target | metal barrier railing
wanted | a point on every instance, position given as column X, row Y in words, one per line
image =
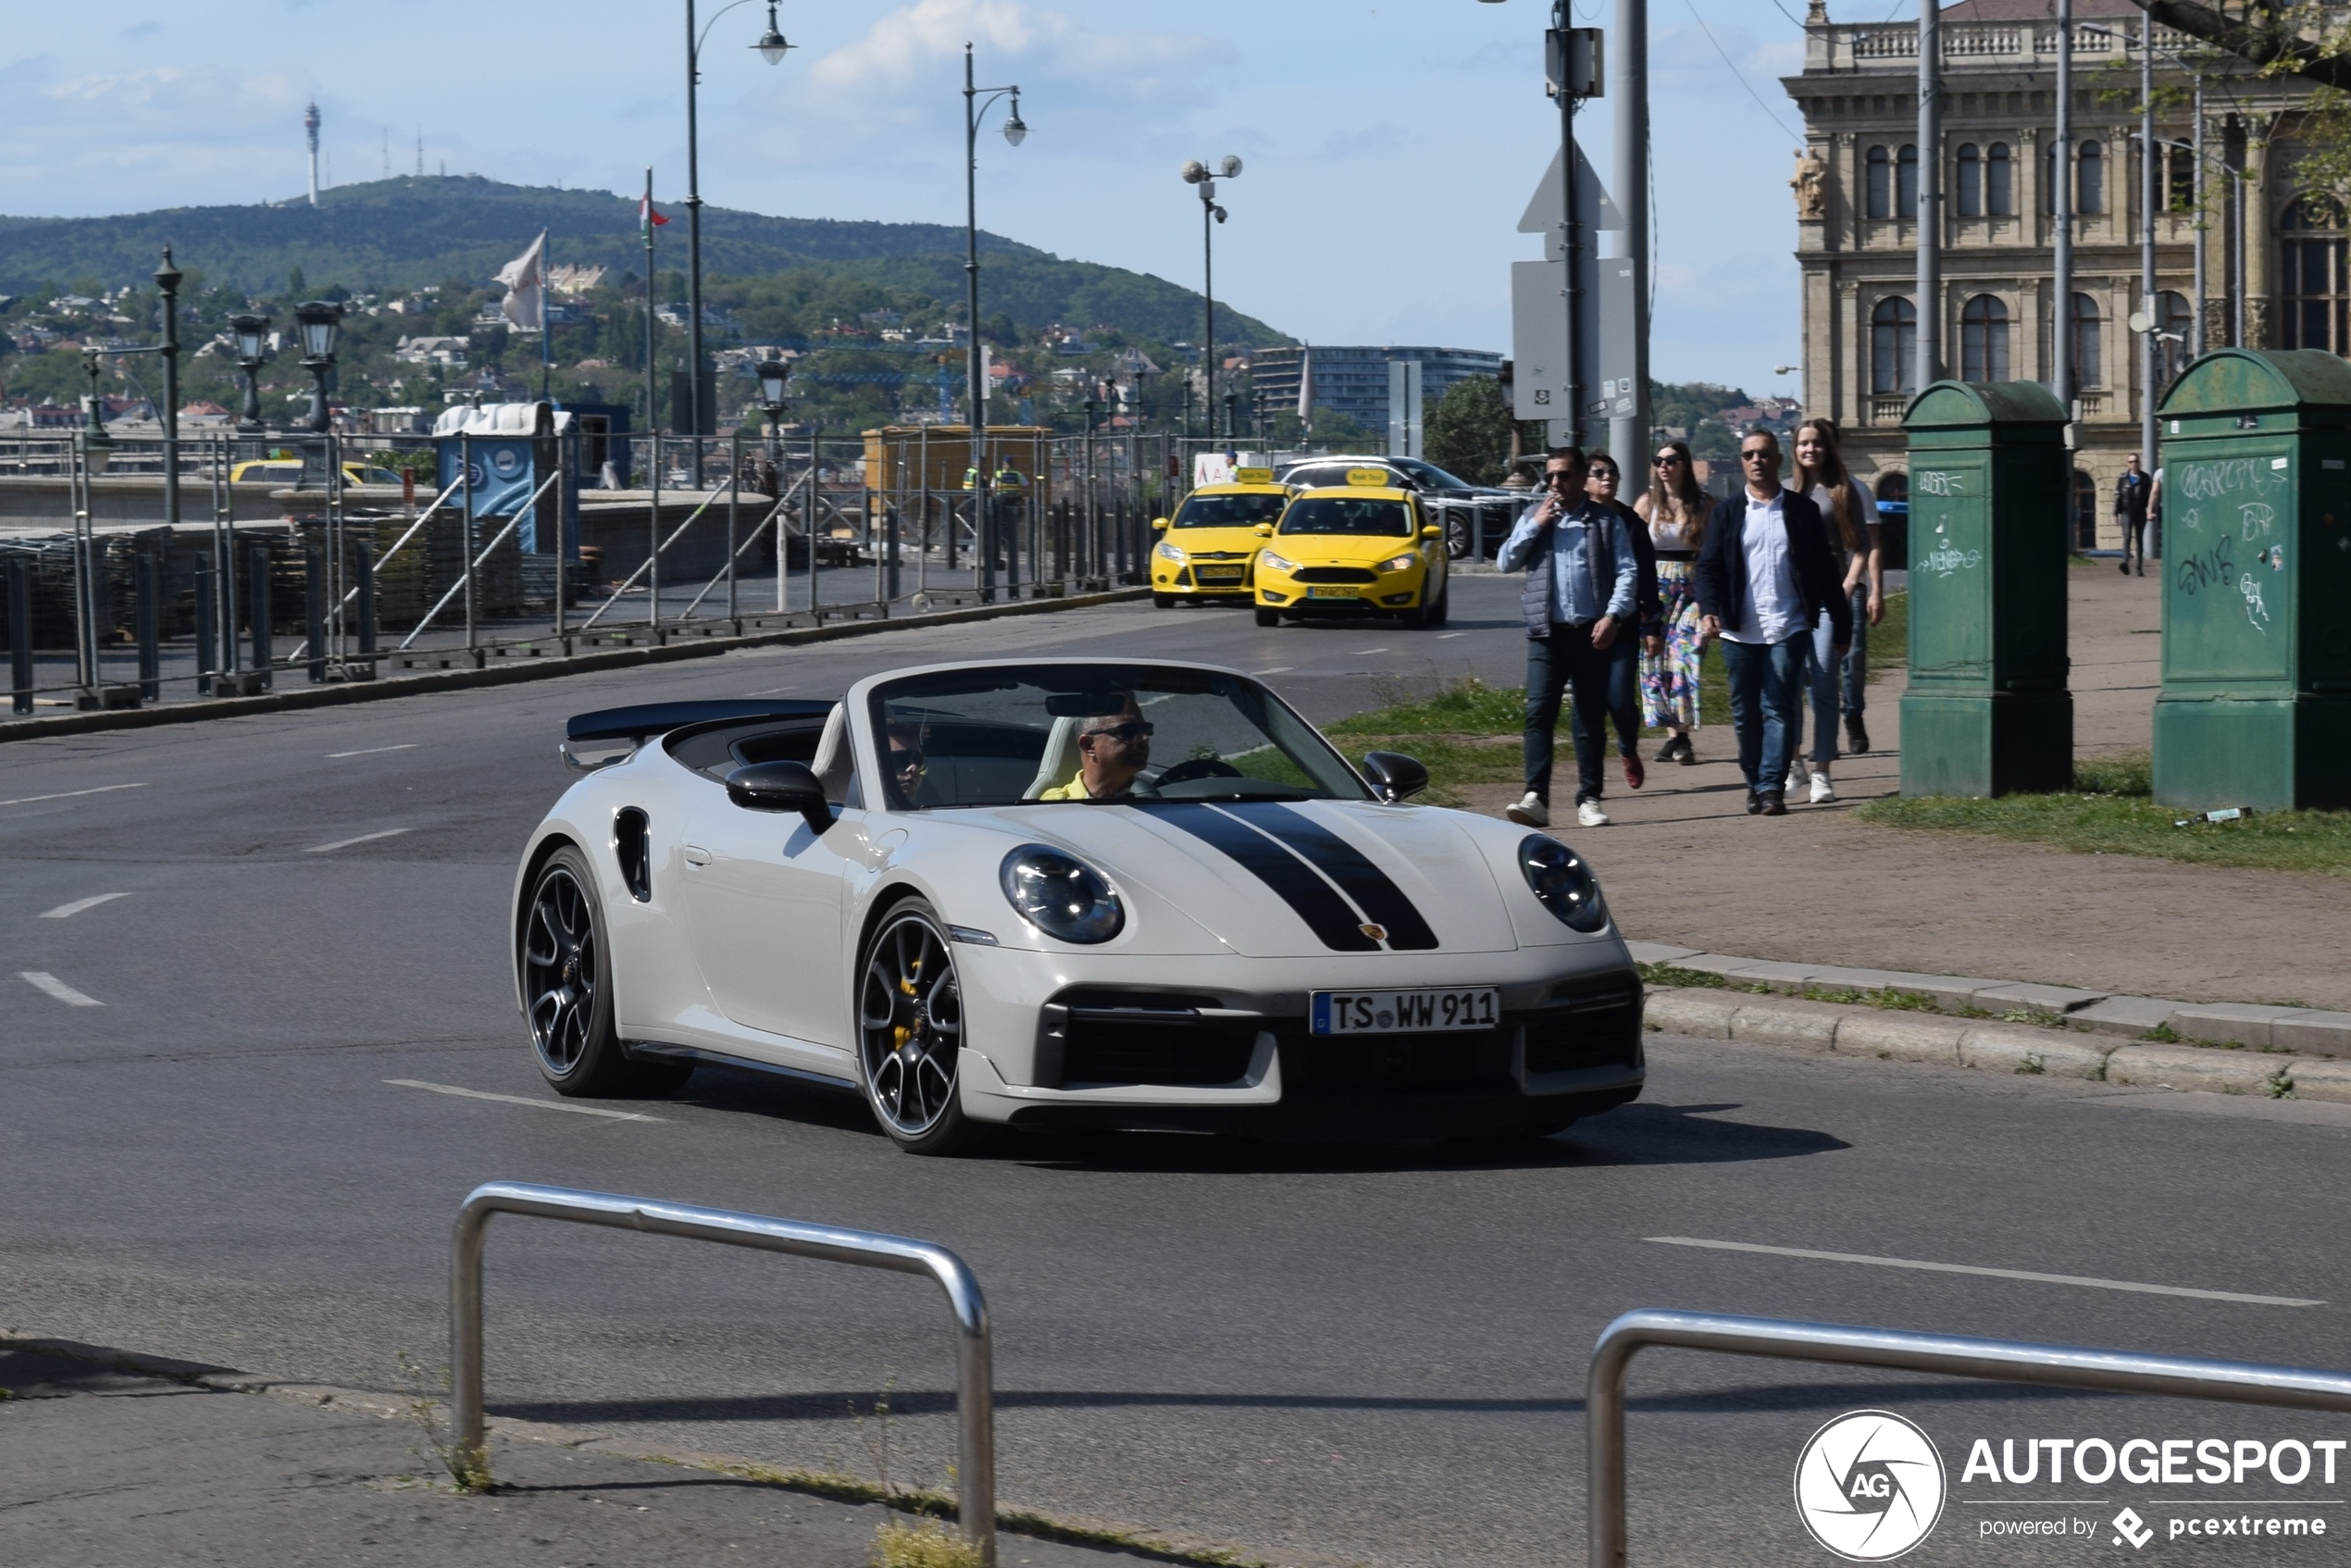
column 975, row 1375
column 1955, row 1355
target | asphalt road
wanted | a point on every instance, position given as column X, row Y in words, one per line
column 1371, row 1356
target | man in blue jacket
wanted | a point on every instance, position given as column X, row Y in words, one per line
column 1581, row 578
column 1764, row 576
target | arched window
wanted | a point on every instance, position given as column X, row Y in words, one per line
column 1878, row 187
column 1999, row 182
column 1984, row 340
column 1970, row 181
column 2090, row 182
column 1894, row 342
column 2089, row 340
column 1905, row 182
column 2311, row 276
column 2173, row 321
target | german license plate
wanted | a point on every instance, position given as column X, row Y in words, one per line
column 1330, row 593
column 1416, row 1012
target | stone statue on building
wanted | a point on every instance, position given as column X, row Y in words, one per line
column 1810, row 186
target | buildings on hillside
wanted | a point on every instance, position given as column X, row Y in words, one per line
column 1353, row 381
column 1856, row 221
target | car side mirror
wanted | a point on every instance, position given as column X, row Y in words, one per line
column 1159, row 525
column 1430, row 530
column 1394, row 776
column 781, row 786
column 1264, row 530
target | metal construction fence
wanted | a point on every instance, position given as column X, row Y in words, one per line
column 332, row 557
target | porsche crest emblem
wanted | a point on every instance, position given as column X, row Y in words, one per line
column 1378, row 933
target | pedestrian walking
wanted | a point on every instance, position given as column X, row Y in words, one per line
column 1580, row 581
column 2133, row 494
column 1601, row 483
column 1839, row 684
column 1672, row 514
column 1764, row 576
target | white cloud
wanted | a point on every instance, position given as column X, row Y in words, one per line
column 907, row 46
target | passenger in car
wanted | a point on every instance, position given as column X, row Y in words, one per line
column 908, row 767
column 1111, row 749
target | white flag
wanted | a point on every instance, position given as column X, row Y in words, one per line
column 526, row 281
column 1306, row 387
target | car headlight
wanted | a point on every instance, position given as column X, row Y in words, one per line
column 1167, row 552
column 1401, row 564
column 1273, row 562
column 1061, row 895
column 1558, row 877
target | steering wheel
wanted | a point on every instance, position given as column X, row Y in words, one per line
column 1196, row 767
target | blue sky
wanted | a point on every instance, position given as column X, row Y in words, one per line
column 1391, row 147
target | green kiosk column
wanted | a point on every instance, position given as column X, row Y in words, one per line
column 1988, row 711
column 2255, row 705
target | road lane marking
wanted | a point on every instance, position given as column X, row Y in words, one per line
column 371, row 751
column 68, row 910
column 1361, row 652
column 1443, row 635
column 41, row 980
column 523, row 1100
column 1991, row 1273
column 1277, row 669
column 68, row 794
column 363, row 839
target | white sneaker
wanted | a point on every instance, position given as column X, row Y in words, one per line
column 1823, row 790
column 1529, row 813
column 1589, row 815
column 1795, row 776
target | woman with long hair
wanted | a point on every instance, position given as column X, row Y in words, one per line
column 1673, row 509
column 1851, row 512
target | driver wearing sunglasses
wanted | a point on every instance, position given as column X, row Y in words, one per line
column 1111, row 749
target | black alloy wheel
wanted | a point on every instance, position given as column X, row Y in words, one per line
column 910, row 1033
column 567, row 992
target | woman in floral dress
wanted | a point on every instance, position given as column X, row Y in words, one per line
column 1674, row 509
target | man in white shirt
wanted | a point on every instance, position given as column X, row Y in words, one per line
column 1764, row 577
column 1580, row 581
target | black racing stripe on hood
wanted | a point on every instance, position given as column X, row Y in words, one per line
column 1324, row 911
column 1357, row 877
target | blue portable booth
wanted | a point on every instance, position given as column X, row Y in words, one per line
column 515, row 447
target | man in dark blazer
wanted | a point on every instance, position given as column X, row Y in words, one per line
column 1764, row 577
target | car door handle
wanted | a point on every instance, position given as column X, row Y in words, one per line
column 697, row 855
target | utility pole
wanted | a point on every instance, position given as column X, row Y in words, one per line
column 2150, row 204
column 2061, row 367
column 1927, row 368
column 1628, row 62
column 694, row 247
column 2195, row 157
column 1562, row 50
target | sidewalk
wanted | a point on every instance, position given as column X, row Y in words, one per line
column 1684, row 865
column 100, row 1468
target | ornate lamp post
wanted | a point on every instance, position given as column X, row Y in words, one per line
column 96, row 444
column 318, row 321
column 976, row 102
column 252, row 333
column 1198, row 173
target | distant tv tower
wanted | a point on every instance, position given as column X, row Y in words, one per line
column 420, row 151
column 310, row 124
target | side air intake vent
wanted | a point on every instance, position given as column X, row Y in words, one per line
column 629, row 841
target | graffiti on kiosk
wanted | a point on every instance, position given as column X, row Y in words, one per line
column 1945, row 559
column 2256, row 611
column 2233, row 475
column 2193, row 519
column 2257, row 519
column 2207, row 568
column 1929, row 483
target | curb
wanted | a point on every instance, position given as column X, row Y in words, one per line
column 1173, row 1546
column 1846, row 1029
column 326, row 696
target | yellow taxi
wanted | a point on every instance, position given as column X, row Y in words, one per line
column 1205, row 550
column 1361, row 548
column 286, row 470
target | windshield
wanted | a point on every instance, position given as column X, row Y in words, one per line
column 1096, row 733
column 1431, row 474
column 1228, row 511
column 1341, row 514
column 1308, row 476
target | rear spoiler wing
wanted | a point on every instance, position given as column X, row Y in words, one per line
column 655, row 718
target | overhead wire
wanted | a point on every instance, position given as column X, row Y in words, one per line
column 1770, row 113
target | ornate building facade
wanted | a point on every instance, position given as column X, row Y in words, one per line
column 2274, row 260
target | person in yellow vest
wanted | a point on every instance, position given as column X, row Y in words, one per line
column 1111, row 749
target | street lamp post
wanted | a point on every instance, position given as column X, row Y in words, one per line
column 1197, row 173
column 252, row 333
column 167, row 278
column 774, row 373
column 319, row 321
column 976, row 102
column 772, row 47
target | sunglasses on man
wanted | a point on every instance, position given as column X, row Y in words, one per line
column 1133, row 729
column 908, row 760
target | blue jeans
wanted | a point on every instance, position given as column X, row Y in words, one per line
column 1767, row 706
column 1624, row 689
column 1567, row 660
column 1856, row 659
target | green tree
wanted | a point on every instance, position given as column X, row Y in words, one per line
column 1468, row 433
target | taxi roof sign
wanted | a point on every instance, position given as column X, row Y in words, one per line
column 1375, row 479
column 1252, row 476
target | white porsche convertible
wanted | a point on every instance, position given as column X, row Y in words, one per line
column 1063, row 893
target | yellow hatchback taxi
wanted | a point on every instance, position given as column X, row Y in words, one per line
column 1205, row 550
column 1353, row 550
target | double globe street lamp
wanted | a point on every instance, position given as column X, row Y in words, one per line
column 1198, row 173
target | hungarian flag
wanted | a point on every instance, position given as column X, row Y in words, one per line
column 647, row 219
